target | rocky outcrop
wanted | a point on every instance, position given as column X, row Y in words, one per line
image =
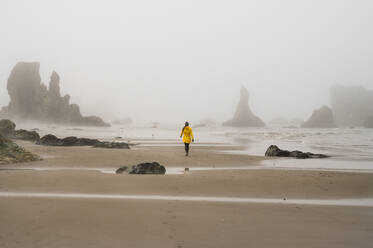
column 369, row 122
column 51, row 140
column 10, row 152
column 25, row 135
column 143, row 168
column 7, row 129
column 352, row 105
column 32, row 100
column 321, row 118
column 112, row 145
column 243, row 116
column 274, row 151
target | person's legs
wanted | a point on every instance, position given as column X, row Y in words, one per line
column 186, row 149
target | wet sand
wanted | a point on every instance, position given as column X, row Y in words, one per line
column 74, row 222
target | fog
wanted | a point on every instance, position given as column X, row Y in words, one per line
column 185, row 60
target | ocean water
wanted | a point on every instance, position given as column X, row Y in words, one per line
column 351, row 149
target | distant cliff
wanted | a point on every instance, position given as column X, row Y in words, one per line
column 352, row 105
column 243, row 116
column 32, row 100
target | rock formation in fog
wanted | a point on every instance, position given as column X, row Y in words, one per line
column 369, row 122
column 321, row 118
column 352, row 105
column 30, row 99
column 243, row 116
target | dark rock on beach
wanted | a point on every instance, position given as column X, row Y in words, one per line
column 49, row 140
column 52, row 140
column 123, row 169
column 274, row 151
column 243, row 116
column 25, row 135
column 6, row 127
column 143, row 168
column 30, row 99
column 10, row 152
column 7, row 130
column 112, row 145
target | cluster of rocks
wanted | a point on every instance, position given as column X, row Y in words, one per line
column 7, row 129
column 52, row 140
column 274, row 151
column 32, row 100
column 243, row 116
column 143, row 168
column 350, row 106
column 10, row 152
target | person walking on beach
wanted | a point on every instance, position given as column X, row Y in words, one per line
column 188, row 137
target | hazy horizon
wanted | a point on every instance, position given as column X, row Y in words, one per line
column 174, row 61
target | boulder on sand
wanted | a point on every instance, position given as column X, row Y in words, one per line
column 112, row 145
column 52, row 140
column 143, row 168
column 321, row 118
column 243, row 116
column 274, row 151
column 10, row 152
column 6, row 127
column 49, row 140
column 25, row 135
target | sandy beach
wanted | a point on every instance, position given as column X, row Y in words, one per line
column 92, row 222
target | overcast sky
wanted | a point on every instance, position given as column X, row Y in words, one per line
column 185, row 60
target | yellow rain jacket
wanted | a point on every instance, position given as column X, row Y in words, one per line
column 188, row 134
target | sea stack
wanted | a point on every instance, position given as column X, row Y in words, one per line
column 32, row 100
column 243, row 116
column 321, row 118
column 369, row 122
column 352, row 105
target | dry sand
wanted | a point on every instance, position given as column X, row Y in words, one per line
column 51, row 222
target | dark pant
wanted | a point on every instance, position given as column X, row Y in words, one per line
column 186, row 147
